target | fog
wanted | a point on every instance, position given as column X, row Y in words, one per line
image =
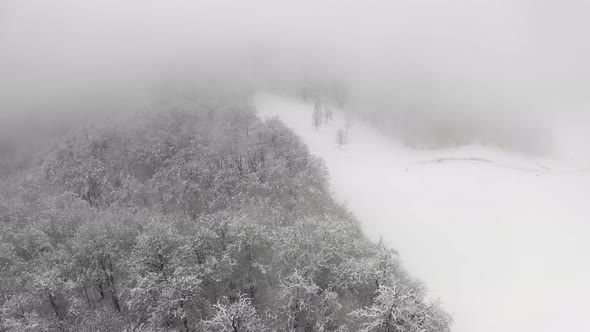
column 501, row 57
column 514, row 73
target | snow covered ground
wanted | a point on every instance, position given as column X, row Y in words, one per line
column 502, row 239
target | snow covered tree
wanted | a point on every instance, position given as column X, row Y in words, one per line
column 341, row 137
column 238, row 316
column 340, row 94
column 328, row 114
column 399, row 308
column 162, row 290
column 317, row 116
column 347, row 122
column 306, row 306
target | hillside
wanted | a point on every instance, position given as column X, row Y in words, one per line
column 500, row 237
column 199, row 217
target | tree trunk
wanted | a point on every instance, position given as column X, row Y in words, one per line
column 53, row 305
column 108, row 274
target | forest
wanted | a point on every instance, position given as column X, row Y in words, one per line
column 198, row 216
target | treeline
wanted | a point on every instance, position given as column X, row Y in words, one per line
column 198, row 218
column 426, row 129
column 420, row 121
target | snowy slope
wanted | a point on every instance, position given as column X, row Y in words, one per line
column 501, row 238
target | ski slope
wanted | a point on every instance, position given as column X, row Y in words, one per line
column 500, row 238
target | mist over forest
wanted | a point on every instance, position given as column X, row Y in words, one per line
column 494, row 72
column 142, row 190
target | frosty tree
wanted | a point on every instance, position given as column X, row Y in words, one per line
column 348, row 122
column 400, row 308
column 239, row 316
column 341, row 137
column 328, row 114
column 317, row 116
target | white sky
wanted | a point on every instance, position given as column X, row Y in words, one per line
column 507, row 52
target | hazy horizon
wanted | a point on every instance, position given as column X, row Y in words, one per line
column 501, row 57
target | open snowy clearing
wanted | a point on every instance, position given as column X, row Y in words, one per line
column 501, row 238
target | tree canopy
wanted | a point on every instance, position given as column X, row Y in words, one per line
column 200, row 217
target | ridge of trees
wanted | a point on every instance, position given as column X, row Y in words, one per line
column 197, row 218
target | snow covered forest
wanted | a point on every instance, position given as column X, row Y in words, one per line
column 197, row 217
